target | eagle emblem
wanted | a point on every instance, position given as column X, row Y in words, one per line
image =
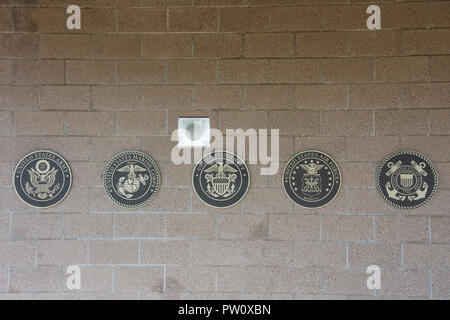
column 312, row 168
column 311, row 180
column 42, row 179
column 220, row 179
column 130, row 184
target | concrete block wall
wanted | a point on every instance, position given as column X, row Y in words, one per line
column 309, row 68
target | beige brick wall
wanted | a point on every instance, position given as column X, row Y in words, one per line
column 307, row 67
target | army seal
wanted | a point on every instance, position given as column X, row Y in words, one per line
column 42, row 179
column 221, row 179
column 312, row 179
column 131, row 179
column 407, row 179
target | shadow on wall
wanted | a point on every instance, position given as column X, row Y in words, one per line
column 23, row 21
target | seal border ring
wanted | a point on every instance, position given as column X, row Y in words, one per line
column 68, row 189
column 332, row 199
column 417, row 154
column 117, row 203
column 248, row 175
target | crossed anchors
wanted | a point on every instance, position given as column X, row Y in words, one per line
column 395, row 194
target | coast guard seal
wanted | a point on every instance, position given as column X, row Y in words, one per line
column 131, row 179
column 312, row 179
column 42, row 179
column 221, row 179
column 407, row 179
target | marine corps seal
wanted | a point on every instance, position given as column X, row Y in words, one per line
column 42, row 179
column 407, row 179
column 312, row 179
column 221, row 179
column 131, row 179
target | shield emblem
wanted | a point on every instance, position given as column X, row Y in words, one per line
column 311, row 184
column 406, row 180
column 221, row 185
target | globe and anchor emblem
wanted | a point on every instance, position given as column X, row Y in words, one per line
column 127, row 186
column 131, row 179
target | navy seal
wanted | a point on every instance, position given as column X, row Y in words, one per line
column 221, row 179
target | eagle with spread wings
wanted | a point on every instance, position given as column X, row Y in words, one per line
column 220, row 169
column 42, row 182
column 312, row 168
column 131, row 168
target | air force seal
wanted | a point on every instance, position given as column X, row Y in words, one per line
column 42, row 179
column 407, row 179
column 221, row 179
column 312, row 179
column 131, row 179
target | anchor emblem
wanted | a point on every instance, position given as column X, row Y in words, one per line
column 220, row 178
column 130, row 184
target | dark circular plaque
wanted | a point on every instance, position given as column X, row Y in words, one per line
column 42, row 179
column 407, row 179
column 221, row 179
column 131, row 179
column 312, row 179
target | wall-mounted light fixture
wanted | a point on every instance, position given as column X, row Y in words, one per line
column 193, row 132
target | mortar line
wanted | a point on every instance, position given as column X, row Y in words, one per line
column 35, row 252
column 430, row 235
column 10, row 226
column 190, row 253
column 217, row 279
column 430, row 279
column 164, row 279
column 113, row 278
column 346, row 257
column 320, row 227
column 167, row 20
column 8, row 281
column 401, row 256
column 139, row 250
column 115, row 20
column 88, row 252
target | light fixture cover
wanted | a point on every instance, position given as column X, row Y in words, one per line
column 193, row 132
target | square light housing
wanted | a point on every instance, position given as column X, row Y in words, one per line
column 193, row 132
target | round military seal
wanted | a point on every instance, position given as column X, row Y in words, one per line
column 407, row 179
column 42, row 179
column 131, row 179
column 221, row 179
column 312, row 179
